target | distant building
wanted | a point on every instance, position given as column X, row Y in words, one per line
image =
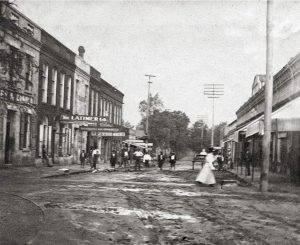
column 105, row 102
column 20, row 42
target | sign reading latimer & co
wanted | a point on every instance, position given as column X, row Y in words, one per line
column 76, row 118
column 15, row 96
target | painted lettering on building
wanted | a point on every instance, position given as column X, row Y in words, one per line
column 83, row 118
column 16, row 97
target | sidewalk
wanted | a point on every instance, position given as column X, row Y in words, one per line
column 48, row 172
column 277, row 182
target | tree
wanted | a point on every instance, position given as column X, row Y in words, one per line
column 128, row 125
column 199, row 137
column 169, row 130
column 155, row 104
column 15, row 65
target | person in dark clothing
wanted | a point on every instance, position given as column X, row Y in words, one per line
column 113, row 159
column 45, row 157
column 82, row 158
column 172, row 160
column 248, row 160
column 161, row 160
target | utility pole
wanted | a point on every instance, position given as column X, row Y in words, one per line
column 268, row 100
column 204, row 119
column 213, row 91
column 148, row 108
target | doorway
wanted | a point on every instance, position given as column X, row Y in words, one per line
column 9, row 140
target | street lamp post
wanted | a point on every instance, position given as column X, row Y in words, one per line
column 213, row 91
column 148, row 107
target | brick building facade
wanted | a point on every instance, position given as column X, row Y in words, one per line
column 20, row 42
column 48, row 95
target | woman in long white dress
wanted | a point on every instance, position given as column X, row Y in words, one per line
column 206, row 175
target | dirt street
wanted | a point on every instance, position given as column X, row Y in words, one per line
column 149, row 207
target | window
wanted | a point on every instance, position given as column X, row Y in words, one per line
column 92, row 102
column 76, row 95
column 110, row 112
column 28, row 73
column 68, row 93
column 53, row 86
column 96, row 103
column 100, row 106
column 120, row 115
column 86, row 93
column 61, row 90
column 44, row 85
column 29, row 29
column 15, row 19
column 25, row 131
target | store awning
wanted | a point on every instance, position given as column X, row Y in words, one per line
column 139, row 144
column 289, row 110
column 284, row 125
column 255, row 128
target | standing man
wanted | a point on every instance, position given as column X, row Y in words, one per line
column 147, row 159
column 82, row 158
column 125, row 158
column 113, row 159
column 95, row 156
column 248, row 160
column 161, row 160
column 138, row 157
column 172, row 160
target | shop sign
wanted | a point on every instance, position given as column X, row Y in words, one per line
column 16, row 97
column 100, row 129
column 110, row 134
column 76, row 118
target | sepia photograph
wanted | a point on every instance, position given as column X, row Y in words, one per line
column 149, row 122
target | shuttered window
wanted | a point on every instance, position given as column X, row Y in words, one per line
column 25, row 121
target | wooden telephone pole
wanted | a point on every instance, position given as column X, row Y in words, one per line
column 213, row 91
column 268, row 100
column 148, row 107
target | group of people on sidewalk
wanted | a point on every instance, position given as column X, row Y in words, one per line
column 146, row 158
column 122, row 159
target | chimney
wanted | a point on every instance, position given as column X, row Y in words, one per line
column 81, row 51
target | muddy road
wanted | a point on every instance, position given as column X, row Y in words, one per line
column 154, row 207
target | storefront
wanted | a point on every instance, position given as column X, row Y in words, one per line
column 17, row 128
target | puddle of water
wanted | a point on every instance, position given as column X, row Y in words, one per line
column 179, row 192
column 145, row 191
column 142, row 214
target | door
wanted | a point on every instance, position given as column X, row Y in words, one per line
column 7, row 144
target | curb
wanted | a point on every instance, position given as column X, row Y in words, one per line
column 241, row 179
column 69, row 173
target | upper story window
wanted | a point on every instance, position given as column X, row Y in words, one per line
column 61, row 90
column 29, row 29
column 68, row 93
column 15, row 18
column 92, row 103
column 44, row 84
column 53, row 86
column 28, row 73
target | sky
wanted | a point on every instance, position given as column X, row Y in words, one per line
column 185, row 44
